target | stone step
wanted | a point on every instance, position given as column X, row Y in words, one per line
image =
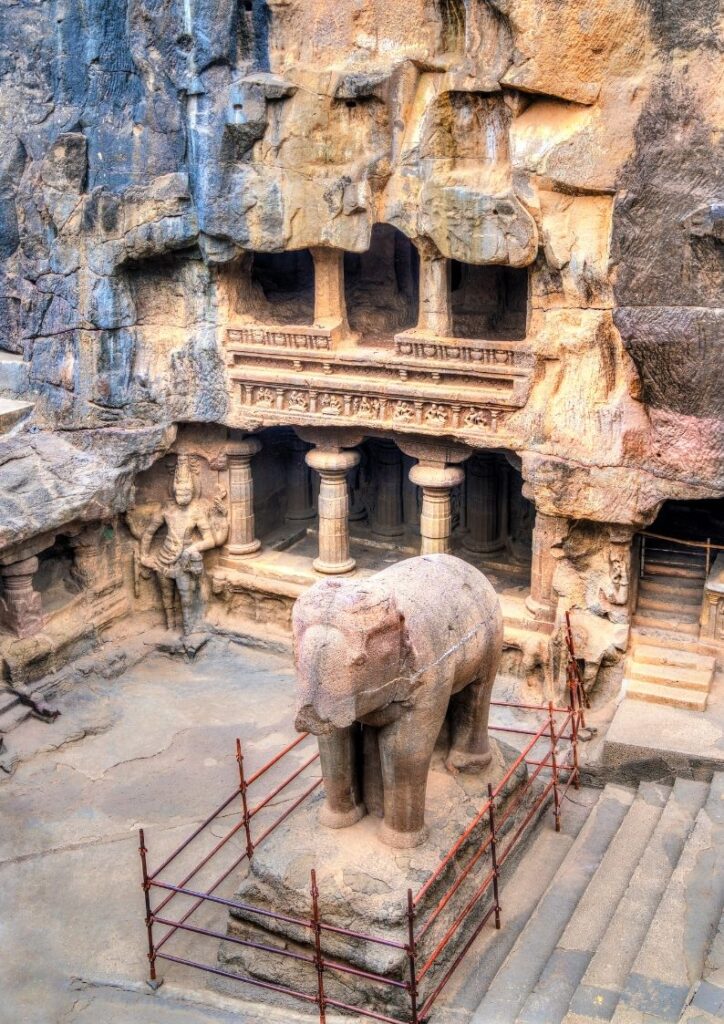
column 522, row 968
column 597, row 994
column 690, row 603
column 671, row 959
column 687, row 571
column 674, row 556
column 551, row 997
column 707, row 1004
column 657, row 693
column 651, row 655
column 521, row 890
column 677, row 585
column 672, row 643
column 662, row 620
column 671, row 675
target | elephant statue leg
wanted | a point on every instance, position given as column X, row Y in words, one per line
column 405, row 751
column 372, row 788
column 339, row 758
column 469, row 747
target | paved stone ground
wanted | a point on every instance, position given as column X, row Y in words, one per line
column 158, row 752
column 152, row 747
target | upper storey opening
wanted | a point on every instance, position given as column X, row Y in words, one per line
column 488, row 301
column 381, row 286
column 285, row 283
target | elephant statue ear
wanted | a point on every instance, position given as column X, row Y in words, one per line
column 386, row 635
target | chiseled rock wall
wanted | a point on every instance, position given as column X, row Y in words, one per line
column 145, row 145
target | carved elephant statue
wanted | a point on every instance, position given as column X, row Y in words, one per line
column 380, row 661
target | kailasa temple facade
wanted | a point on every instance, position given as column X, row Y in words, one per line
column 376, row 279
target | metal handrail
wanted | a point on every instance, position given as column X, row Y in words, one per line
column 707, row 545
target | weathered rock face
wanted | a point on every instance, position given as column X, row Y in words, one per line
column 144, row 149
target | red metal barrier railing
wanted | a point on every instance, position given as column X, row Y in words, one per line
column 557, row 735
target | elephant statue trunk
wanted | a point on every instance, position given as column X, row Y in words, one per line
column 381, row 662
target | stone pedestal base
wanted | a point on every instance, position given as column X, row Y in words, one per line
column 363, row 887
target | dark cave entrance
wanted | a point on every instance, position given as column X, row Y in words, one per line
column 488, row 301
column 54, row 579
column 286, row 282
column 381, row 286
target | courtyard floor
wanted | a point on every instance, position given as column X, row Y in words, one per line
column 152, row 748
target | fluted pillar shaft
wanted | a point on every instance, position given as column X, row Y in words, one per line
column 22, row 609
column 483, row 505
column 300, row 505
column 333, row 464
column 387, row 518
column 436, row 480
column 242, row 540
column 410, row 499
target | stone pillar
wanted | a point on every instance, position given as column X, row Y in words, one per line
column 436, row 481
column 22, row 608
column 483, row 507
column 330, row 310
column 242, row 540
column 410, row 498
column 300, row 504
column 386, row 514
column 435, row 316
column 548, row 532
column 356, row 484
column 333, row 464
column 504, row 470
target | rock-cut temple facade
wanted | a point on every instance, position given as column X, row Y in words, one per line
column 325, row 285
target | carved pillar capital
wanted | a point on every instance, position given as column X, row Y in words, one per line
column 244, row 447
column 329, row 439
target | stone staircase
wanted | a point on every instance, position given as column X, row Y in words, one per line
column 666, row 664
column 670, row 592
column 661, row 674
column 624, row 928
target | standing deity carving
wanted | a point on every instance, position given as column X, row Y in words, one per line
column 193, row 525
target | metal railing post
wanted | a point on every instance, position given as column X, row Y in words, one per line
column 244, row 803
column 708, row 557
column 575, row 671
column 494, row 854
column 554, row 767
column 411, row 953
column 642, row 569
column 575, row 715
column 318, row 960
column 146, row 885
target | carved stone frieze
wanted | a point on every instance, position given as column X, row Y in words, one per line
column 282, row 337
column 482, row 353
column 312, row 405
